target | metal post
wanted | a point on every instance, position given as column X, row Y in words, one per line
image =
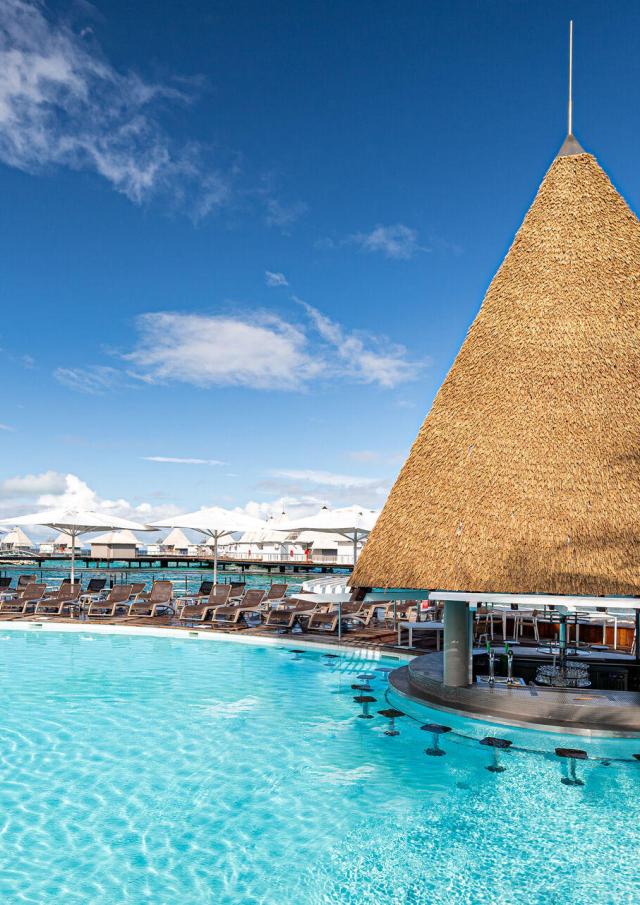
column 73, row 553
column 457, row 647
column 339, row 622
column 570, row 105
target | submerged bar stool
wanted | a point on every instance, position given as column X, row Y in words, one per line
column 572, row 755
column 436, row 731
column 365, row 700
column 496, row 745
column 392, row 715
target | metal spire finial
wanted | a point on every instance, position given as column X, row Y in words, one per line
column 570, row 110
column 570, row 145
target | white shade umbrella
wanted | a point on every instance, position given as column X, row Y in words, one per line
column 75, row 522
column 352, row 522
column 215, row 522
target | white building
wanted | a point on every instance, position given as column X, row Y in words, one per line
column 176, row 542
column 16, row 541
column 60, row 544
column 115, row 545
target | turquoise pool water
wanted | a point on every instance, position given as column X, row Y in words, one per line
column 153, row 770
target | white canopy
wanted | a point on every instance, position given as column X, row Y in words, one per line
column 215, row 522
column 75, row 522
column 353, row 522
column 116, row 537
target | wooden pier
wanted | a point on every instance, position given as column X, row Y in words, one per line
column 171, row 561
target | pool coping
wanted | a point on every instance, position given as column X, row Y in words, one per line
column 50, row 625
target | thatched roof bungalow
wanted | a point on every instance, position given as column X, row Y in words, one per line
column 525, row 475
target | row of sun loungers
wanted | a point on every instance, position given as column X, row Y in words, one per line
column 230, row 605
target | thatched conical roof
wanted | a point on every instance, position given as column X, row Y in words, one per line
column 525, row 476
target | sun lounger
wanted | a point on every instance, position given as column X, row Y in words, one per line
column 22, row 583
column 157, row 601
column 118, row 598
column 284, row 619
column 322, row 622
column 275, row 594
column 23, row 599
column 65, row 598
column 202, row 611
column 350, row 614
column 237, row 590
column 232, row 615
column 205, row 589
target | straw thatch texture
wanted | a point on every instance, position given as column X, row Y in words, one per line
column 525, row 476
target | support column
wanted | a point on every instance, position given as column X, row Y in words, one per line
column 457, row 644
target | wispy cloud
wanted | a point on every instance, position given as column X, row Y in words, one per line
column 62, row 103
column 260, row 351
column 283, row 214
column 177, row 460
column 364, row 357
column 368, row 456
column 7, row 427
column 94, row 380
column 324, row 478
column 255, row 349
column 397, row 242
column 263, row 351
column 275, row 279
column 313, row 488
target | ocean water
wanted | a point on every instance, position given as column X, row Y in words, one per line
column 184, row 580
column 157, row 770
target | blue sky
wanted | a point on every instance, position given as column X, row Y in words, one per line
column 254, row 235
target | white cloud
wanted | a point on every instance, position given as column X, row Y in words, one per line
column 364, row 455
column 63, row 104
column 176, row 460
column 254, row 349
column 7, row 427
column 51, row 489
column 399, row 242
column 275, row 279
column 281, row 214
column 33, row 484
column 262, row 351
column 94, row 380
column 365, row 358
column 324, row 478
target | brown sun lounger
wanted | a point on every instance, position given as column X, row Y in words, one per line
column 284, row 619
column 158, row 599
column 276, row 593
column 202, row 612
column 23, row 581
column 233, row 615
column 27, row 597
column 65, row 598
column 119, row 597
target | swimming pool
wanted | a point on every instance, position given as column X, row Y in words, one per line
column 161, row 770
